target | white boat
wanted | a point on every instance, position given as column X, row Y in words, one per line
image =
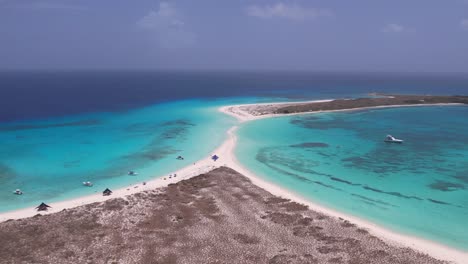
column 88, row 183
column 18, row 192
column 392, row 139
column 132, row 173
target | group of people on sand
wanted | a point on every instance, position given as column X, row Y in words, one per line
column 171, row 175
column 107, row 192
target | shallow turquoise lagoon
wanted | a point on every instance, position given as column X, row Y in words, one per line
column 49, row 159
column 340, row 160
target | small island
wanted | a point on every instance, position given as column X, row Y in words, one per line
column 381, row 101
column 250, row 112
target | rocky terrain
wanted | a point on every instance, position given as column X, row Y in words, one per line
column 217, row 217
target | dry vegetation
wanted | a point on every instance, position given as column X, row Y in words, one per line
column 218, row 217
column 368, row 102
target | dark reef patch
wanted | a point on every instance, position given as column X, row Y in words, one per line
column 442, row 169
column 325, row 154
column 154, row 150
column 397, row 194
column 356, row 160
column 344, row 181
column 152, row 154
column 327, row 185
column 446, row 186
column 462, row 177
column 176, row 129
column 89, row 122
column 373, row 200
column 381, row 161
column 171, row 129
column 438, row 202
column 123, row 164
column 311, row 122
column 174, row 132
column 310, row 145
column 298, row 120
column 275, row 155
column 296, row 176
column 272, row 157
column 6, row 173
column 178, row 122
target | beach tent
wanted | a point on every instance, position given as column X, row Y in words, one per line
column 42, row 207
column 214, row 157
column 107, row 192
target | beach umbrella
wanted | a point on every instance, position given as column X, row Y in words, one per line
column 214, row 157
column 107, row 192
column 42, row 207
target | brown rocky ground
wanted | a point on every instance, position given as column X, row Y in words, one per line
column 218, row 217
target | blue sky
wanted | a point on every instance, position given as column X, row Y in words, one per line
column 327, row 35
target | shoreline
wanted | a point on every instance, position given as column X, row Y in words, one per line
column 244, row 116
column 228, row 159
column 215, row 217
column 159, row 181
column 431, row 248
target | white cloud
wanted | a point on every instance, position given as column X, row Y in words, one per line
column 288, row 11
column 167, row 27
column 165, row 16
column 394, row 28
column 464, row 23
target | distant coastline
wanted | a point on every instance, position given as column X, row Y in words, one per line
column 381, row 101
column 249, row 112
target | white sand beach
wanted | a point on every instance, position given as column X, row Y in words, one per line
column 428, row 247
column 251, row 112
column 433, row 249
column 227, row 158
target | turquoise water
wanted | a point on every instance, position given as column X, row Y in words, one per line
column 336, row 159
column 340, row 160
column 50, row 159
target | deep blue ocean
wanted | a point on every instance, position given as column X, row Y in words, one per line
column 58, row 129
column 31, row 95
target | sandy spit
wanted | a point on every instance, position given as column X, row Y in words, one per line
column 227, row 159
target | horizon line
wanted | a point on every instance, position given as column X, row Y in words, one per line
column 175, row 70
